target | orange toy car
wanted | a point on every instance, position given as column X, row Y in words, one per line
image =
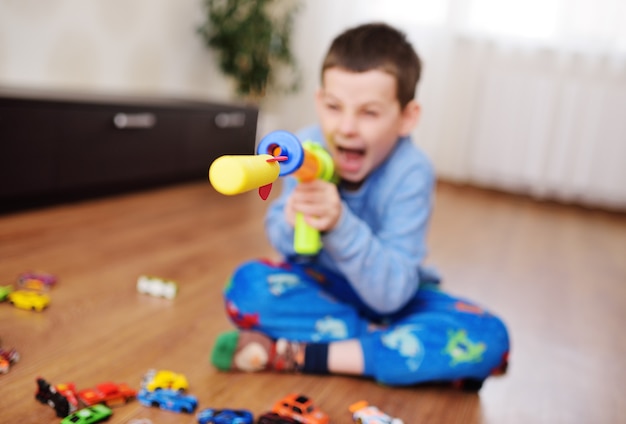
column 108, row 393
column 300, row 408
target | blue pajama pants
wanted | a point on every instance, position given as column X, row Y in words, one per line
column 435, row 338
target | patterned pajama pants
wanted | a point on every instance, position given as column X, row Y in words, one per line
column 435, row 338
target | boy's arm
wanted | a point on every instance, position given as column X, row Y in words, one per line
column 383, row 265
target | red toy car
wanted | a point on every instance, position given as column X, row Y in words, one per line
column 108, row 393
column 68, row 390
column 7, row 359
column 300, row 408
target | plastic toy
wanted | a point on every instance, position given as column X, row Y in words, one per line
column 32, row 284
column 279, row 153
column 108, row 393
column 169, row 400
column 30, row 300
column 300, row 408
column 89, row 415
column 68, row 390
column 274, row 418
column 157, row 287
column 225, row 416
column 47, row 394
column 164, row 379
column 47, row 280
column 363, row 413
column 7, row 359
column 5, row 291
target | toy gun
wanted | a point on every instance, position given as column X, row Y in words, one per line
column 279, row 153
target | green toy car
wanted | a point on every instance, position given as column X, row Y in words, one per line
column 89, row 415
column 4, row 292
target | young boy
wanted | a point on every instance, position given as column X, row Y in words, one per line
column 365, row 305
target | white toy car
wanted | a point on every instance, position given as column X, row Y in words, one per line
column 362, row 413
column 156, row 286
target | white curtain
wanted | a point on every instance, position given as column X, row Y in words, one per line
column 527, row 96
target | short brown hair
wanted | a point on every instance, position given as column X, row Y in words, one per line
column 377, row 46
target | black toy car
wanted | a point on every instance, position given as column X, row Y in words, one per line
column 274, row 418
column 47, row 394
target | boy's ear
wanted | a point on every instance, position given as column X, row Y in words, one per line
column 410, row 117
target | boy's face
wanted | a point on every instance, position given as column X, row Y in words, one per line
column 361, row 119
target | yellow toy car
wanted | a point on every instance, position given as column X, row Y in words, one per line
column 30, row 300
column 164, row 379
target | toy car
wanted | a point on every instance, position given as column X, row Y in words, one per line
column 25, row 299
column 164, row 379
column 4, row 292
column 225, row 416
column 300, row 408
column 47, row 394
column 46, row 279
column 274, row 418
column 89, row 415
column 169, row 400
column 7, row 359
column 68, row 390
column 108, row 393
column 157, row 287
column 363, row 413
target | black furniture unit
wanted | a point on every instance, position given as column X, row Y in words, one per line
column 59, row 148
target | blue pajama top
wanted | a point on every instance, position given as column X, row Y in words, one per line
column 379, row 243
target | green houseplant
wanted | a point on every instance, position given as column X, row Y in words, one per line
column 252, row 39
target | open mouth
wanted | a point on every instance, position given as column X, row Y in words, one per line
column 351, row 153
column 349, row 159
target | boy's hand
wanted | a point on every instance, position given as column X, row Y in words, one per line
column 319, row 201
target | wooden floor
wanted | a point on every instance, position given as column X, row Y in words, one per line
column 556, row 274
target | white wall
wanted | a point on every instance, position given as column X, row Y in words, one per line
column 120, row 46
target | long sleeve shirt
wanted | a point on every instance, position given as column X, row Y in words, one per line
column 379, row 242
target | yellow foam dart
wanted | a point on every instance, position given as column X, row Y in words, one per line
column 236, row 174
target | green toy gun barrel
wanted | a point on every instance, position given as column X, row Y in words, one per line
column 317, row 164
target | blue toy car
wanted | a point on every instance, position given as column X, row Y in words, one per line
column 169, row 400
column 225, row 416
